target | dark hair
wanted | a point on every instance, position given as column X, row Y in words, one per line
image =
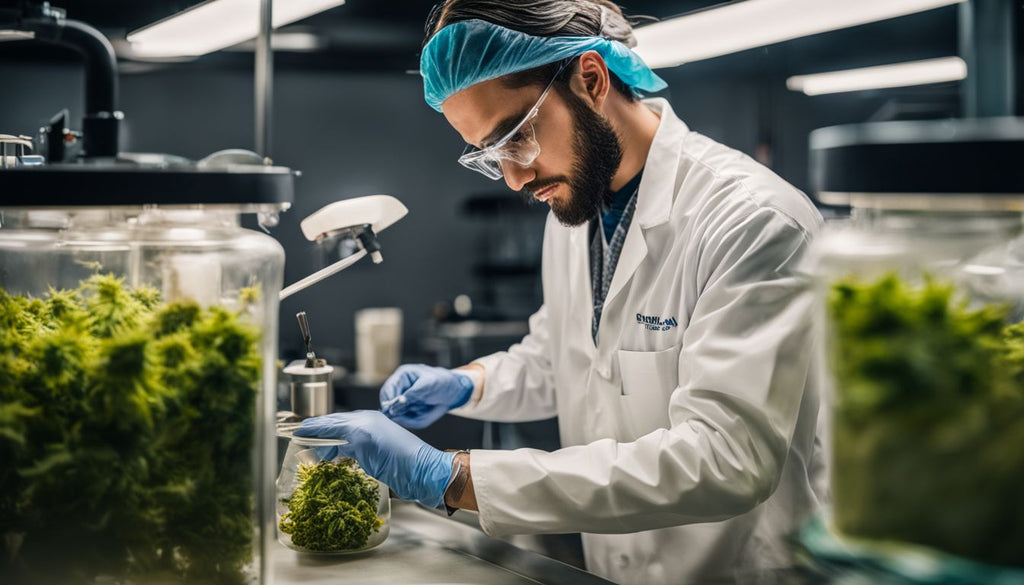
column 542, row 18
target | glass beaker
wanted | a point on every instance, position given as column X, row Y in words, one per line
column 328, row 504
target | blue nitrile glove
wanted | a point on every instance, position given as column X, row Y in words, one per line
column 416, row 395
column 386, row 451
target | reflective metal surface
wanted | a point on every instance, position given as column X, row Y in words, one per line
column 426, row 547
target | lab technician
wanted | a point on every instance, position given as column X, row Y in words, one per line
column 675, row 339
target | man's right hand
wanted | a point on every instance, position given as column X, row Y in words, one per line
column 416, row 395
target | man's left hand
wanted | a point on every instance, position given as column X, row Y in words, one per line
column 388, row 452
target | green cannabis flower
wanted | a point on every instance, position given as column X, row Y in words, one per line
column 929, row 420
column 126, row 436
column 334, row 507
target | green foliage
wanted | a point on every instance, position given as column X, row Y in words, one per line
column 126, row 437
column 334, row 507
column 929, row 420
column 249, row 296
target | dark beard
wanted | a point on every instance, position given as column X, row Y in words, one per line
column 598, row 155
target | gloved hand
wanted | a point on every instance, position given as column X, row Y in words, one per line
column 386, row 451
column 416, row 395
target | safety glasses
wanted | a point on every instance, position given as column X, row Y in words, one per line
column 519, row 145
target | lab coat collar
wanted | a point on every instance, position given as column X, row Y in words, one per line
column 634, row 250
column 653, row 207
column 658, row 185
column 657, row 192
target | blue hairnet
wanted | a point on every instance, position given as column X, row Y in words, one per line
column 471, row 51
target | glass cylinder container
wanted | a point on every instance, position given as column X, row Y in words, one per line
column 137, row 371
column 922, row 292
column 326, row 504
column 923, row 298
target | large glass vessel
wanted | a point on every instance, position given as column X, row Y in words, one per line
column 922, row 292
column 137, row 369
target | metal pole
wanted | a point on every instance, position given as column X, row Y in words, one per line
column 264, row 86
column 989, row 40
column 264, row 80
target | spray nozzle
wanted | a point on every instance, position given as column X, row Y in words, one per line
column 311, row 361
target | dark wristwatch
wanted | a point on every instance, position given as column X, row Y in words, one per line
column 457, row 483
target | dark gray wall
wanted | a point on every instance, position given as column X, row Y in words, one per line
column 350, row 135
column 356, row 134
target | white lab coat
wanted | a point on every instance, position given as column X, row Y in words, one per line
column 689, row 431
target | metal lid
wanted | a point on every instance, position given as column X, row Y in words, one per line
column 943, row 160
column 147, row 180
column 298, row 368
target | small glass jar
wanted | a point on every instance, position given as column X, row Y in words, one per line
column 923, row 297
column 327, row 504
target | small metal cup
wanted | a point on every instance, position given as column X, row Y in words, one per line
column 312, row 389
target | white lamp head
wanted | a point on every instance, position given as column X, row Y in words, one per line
column 377, row 211
column 361, row 218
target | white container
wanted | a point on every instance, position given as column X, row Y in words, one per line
column 378, row 342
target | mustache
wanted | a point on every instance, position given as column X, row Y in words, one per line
column 533, row 186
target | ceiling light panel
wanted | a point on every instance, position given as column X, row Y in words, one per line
column 215, row 25
column 756, row 23
column 883, row 76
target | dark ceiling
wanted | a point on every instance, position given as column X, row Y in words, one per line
column 135, row 13
column 386, row 35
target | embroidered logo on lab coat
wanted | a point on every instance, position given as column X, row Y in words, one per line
column 653, row 323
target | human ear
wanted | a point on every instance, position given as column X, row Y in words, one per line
column 594, row 79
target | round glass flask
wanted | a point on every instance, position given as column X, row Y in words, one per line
column 327, row 504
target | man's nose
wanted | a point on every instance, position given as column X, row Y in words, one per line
column 517, row 176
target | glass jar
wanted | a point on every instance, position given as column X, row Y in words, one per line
column 923, row 298
column 137, row 370
column 326, row 504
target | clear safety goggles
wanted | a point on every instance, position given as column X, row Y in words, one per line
column 519, row 145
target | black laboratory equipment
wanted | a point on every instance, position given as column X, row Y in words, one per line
column 919, row 493
column 138, row 347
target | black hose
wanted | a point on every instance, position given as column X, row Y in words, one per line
column 100, row 65
column 101, row 124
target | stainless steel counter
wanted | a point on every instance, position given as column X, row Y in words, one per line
column 425, row 547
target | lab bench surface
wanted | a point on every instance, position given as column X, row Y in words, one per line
column 425, row 547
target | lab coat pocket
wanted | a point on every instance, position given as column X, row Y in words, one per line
column 648, row 380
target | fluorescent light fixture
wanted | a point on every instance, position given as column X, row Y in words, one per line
column 896, row 75
column 215, row 25
column 296, row 42
column 16, row 35
column 755, row 23
column 286, row 41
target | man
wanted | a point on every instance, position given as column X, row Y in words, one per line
column 675, row 339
